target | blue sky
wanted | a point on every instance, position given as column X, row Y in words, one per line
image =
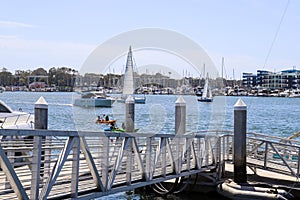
column 57, row 33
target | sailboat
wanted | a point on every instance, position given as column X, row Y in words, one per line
column 129, row 84
column 206, row 94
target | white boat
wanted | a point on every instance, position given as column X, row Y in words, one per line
column 295, row 93
column 198, row 91
column 285, row 93
column 274, row 93
column 94, row 99
column 206, row 94
column 10, row 119
column 129, row 84
column 2, row 89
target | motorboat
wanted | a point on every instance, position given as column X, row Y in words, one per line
column 137, row 99
column 295, row 93
column 198, row 91
column 285, row 93
column 94, row 99
column 11, row 119
column 129, row 85
column 140, row 99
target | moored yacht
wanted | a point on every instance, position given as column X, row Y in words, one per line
column 285, row 93
column 295, row 93
column 10, row 119
column 94, row 99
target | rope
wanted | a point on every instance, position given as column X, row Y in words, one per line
column 276, row 33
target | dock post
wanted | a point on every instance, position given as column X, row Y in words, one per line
column 239, row 148
column 41, row 122
column 129, row 115
column 180, row 116
column 41, row 114
column 180, row 126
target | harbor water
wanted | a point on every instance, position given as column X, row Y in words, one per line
column 268, row 115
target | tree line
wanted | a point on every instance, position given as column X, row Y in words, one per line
column 61, row 77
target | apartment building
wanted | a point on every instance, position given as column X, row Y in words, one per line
column 286, row 79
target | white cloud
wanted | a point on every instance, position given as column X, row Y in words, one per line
column 12, row 24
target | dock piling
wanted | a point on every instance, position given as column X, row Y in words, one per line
column 129, row 115
column 180, row 127
column 180, row 116
column 41, row 114
column 41, row 122
column 239, row 139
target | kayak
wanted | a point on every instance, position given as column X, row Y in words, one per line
column 114, row 129
column 118, row 129
column 102, row 121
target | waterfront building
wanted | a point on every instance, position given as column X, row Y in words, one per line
column 249, row 80
column 156, row 79
column 291, row 78
column 274, row 81
column 261, row 77
column 286, row 79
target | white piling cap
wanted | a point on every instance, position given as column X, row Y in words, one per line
column 240, row 105
column 180, row 101
column 41, row 103
column 129, row 99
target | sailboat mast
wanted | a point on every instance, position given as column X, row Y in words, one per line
column 222, row 66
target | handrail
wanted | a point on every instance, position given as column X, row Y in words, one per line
column 102, row 162
column 268, row 153
column 107, row 162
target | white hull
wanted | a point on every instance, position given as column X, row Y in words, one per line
column 137, row 100
column 140, row 100
column 10, row 119
column 94, row 102
column 94, row 99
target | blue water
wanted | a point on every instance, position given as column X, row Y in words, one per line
column 274, row 116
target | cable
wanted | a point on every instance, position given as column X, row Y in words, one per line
column 182, row 185
column 160, row 189
column 276, row 33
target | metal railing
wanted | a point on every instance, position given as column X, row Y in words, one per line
column 267, row 152
column 44, row 164
column 274, row 153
